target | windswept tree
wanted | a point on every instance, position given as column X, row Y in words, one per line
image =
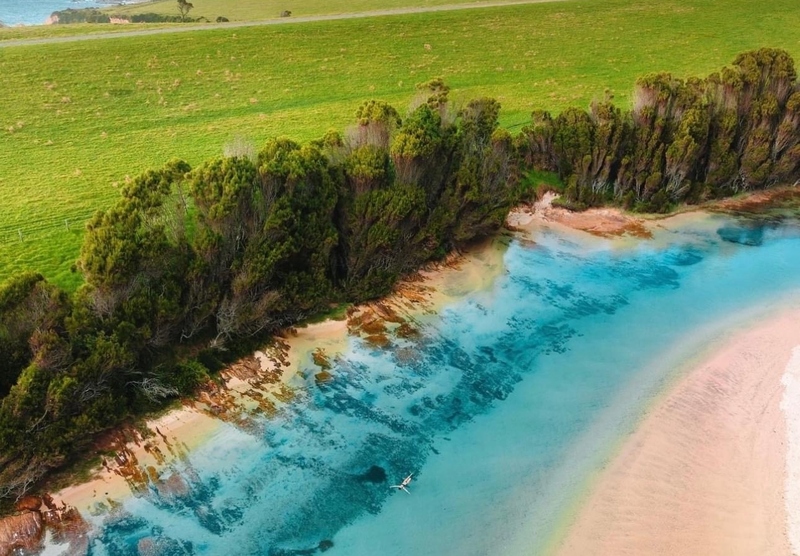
column 30, row 309
column 376, row 121
column 223, row 193
column 482, row 189
column 184, row 7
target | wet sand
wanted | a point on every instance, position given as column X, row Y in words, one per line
column 704, row 472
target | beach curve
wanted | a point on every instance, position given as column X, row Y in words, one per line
column 706, row 470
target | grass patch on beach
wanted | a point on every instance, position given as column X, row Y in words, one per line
column 78, row 118
column 336, row 312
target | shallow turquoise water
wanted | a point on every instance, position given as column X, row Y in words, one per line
column 511, row 399
column 36, row 12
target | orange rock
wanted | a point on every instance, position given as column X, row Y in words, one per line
column 29, row 503
column 173, row 486
column 23, row 531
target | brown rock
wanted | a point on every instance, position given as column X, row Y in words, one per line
column 29, row 503
column 48, row 500
column 23, row 531
column 68, row 527
column 173, row 486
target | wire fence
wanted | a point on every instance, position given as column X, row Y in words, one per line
column 21, row 231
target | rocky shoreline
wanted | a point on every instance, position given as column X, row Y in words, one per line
column 26, row 529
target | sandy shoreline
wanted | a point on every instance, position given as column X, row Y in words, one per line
column 705, row 471
column 176, row 433
column 264, row 380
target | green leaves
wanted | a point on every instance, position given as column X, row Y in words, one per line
column 682, row 142
column 222, row 189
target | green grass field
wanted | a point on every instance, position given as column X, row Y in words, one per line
column 77, row 118
column 49, row 31
column 254, row 10
column 238, row 12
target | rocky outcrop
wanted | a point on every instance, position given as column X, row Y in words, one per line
column 29, row 504
column 23, row 531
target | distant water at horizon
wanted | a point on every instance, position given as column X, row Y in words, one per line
column 36, row 12
column 504, row 407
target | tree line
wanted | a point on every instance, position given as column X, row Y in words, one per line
column 93, row 15
column 192, row 263
column 684, row 141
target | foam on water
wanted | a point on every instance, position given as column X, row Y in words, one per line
column 505, row 405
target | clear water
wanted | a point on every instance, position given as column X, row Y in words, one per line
column 36, row 12
column 503, row 410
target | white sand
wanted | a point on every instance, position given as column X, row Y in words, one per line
column 704, row 473
column 790, row 404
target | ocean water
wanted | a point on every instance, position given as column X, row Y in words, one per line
column 36, row 12
column 504, row 407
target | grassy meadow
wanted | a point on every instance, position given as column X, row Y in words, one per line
column 77, row 118
column 28, row 32
column 242, row 11
column 254, row 10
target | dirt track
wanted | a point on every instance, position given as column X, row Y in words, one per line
column 281, row 21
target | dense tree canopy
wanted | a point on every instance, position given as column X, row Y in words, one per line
column 682, row 142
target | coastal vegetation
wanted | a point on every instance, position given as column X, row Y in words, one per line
column 72, row 16
column 80, row 119
column 190, row 261
column 684, row 141
column 193, row 261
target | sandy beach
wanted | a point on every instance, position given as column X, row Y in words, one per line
column 705, row 471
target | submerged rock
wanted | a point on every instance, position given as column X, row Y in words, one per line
column 750, row 236
column 375, row 474
column 173, row 487
column 162, row 546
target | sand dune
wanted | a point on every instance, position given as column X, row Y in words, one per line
column 704, row 473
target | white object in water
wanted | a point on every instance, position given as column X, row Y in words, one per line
column 402, row 486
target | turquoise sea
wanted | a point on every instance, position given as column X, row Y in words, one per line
column 504, row 408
